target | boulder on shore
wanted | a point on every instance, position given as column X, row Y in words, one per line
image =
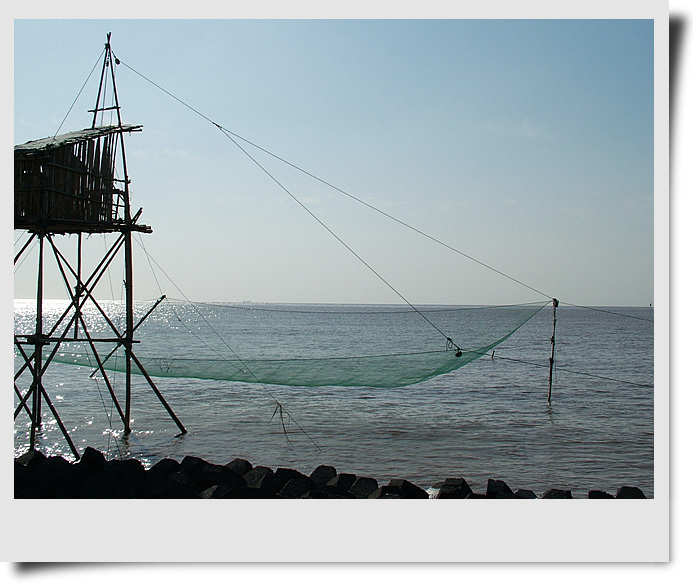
column 627, row 492
column 494, row 487
column 408, row 490
column 557, row 494
column 342, row 480
column 363, row 487
column 322, row 474
column 453, row 488
column 240, row 466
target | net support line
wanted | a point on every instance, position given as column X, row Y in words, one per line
column 232, row 135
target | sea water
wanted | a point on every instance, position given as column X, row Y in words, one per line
column 488, row 419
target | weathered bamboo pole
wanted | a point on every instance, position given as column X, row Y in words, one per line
column 553, row 347
column 38, row 351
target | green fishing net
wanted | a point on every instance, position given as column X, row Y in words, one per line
column 304, row 345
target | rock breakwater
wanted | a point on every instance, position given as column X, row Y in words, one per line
column 94, row 477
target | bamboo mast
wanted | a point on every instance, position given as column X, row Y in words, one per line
column 553, row 347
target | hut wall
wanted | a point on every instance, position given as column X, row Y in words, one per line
column 72, row 183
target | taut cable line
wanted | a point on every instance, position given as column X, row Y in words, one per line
column 80, row 92
column 573, row 371
column 604, row 311
column 231, row 134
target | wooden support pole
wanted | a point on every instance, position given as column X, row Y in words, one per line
column 78, row 284
column 60, row 424
column 553, row 347
column 129, row 325
column 38, row 352
column 110, row 354
column 158, row 394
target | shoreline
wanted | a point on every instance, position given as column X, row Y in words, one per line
column 94, row 477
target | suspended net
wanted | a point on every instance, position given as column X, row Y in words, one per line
column 306, row 345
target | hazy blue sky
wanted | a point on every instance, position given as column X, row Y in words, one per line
column 525, row 144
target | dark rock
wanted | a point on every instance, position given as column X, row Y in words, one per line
column 49, row 478
column 211, row 475
column 184, row 478
column 126, row 467
column 596, row 494
column 453, row 488
column 262, row 478
column 193, row 466
column 333, row 491
column 216, row 492
column 627, row 492
column 31, row 458
column 161, row 470
column 283, row 476
column 494, row 487
column 240, row 466
column 408, row 490
column 56, row 465
column 343, row 480
column 387, row 492
column 105, row 485
column 130, row 473
column 557, row 494
column 476, row 496
column 189, row 472
column 91, row 461
column 59, row 475
column 323, row 474
column 318, row 493
column 171, row 488
column 124, row 479
column 525, row 494
column 297, row 487
column 247, row 492
column 363, row 487
column 23, row 478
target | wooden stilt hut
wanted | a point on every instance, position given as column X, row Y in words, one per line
column 75, row 184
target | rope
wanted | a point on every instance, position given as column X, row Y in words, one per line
column 105, row 409
column 352, row 251
column 25, row 257
column 542, row 366
column 274, row 309
column 79, row 93
column 609, row 312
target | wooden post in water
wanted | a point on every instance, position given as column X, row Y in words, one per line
column 553, row 347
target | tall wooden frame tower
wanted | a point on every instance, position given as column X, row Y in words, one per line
column 77, row 184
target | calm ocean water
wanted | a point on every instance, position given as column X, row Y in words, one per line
column 488, row 419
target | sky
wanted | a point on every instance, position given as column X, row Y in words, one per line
column 527, row 145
